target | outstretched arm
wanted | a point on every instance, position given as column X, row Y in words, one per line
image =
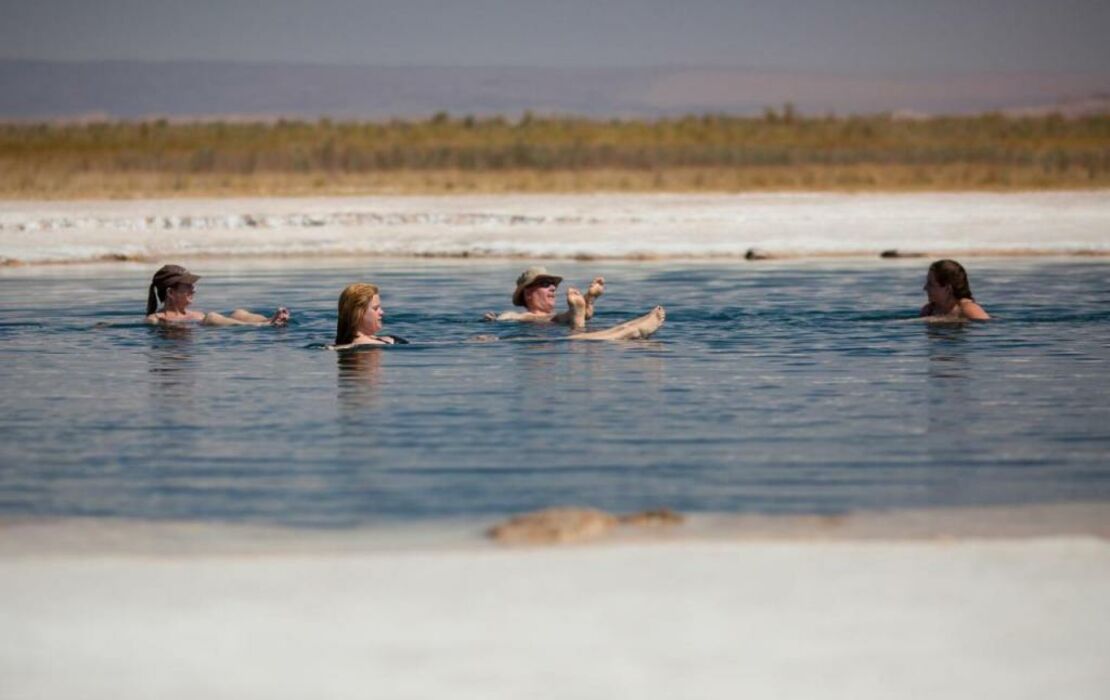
column 526, row 316
column 242, row 317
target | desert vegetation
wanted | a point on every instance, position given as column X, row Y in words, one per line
column 777, row 151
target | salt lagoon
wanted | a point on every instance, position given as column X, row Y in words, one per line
column 797, row 389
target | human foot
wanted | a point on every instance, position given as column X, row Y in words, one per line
column 595, row 290
column 647, row 324
column 641, row 327
column 577, row 304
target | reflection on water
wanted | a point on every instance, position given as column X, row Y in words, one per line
column 172, row 360
column 952, row 405
column 357, row 376
column 947, row 350
column 772, row 387
column 950, row 402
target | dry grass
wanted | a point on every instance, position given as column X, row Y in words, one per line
column 444, row 155
column 864, row 178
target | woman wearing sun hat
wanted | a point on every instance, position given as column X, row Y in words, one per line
column 174, row 287
column 535, row 291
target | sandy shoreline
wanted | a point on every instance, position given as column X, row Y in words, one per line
column 45, row 537
column 800, row 614
column 1006, row 602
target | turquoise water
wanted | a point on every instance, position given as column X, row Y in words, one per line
column 773, row 387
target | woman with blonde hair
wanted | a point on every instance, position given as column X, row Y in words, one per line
column 360, row 318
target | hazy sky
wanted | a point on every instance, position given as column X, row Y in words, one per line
column 835, row 35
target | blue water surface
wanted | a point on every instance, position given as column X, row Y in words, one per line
column 774, row 387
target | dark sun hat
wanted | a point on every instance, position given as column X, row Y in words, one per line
column 529, row 277
column 173, row 275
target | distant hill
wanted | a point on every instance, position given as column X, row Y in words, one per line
column 197, row 90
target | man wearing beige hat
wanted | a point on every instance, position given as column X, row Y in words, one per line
column 535, row 291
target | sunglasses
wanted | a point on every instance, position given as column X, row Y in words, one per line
column 187, row 288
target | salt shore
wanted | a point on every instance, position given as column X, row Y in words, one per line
column 593, row 226
column 1006, row 603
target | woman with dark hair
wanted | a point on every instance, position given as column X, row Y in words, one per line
column 950, row 294
column 173, row 286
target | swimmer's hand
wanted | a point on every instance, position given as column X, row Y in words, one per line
column 490, row 316
column 280, row 317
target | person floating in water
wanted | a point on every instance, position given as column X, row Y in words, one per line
column 950, row 294
column 361, row 315
column 360, row 318
column 174, row 287
column 535, row 291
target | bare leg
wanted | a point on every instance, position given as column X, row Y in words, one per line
column 595, row 290
column 577, row 307
column 641, row 327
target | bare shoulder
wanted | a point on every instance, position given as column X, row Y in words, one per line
column 970, row 309
column 160, row 318
column 376, row 340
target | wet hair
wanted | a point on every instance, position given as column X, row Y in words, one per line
column 154, row 296
column 951, row 273
column 166, row 277
column 353, row 303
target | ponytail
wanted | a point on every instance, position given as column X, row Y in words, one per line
column 151, row 300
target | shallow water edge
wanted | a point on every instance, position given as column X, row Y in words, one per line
column 93, row 537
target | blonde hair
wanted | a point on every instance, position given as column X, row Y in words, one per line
column 352, row 307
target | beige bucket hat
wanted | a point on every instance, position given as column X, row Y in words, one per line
column 529, row 277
